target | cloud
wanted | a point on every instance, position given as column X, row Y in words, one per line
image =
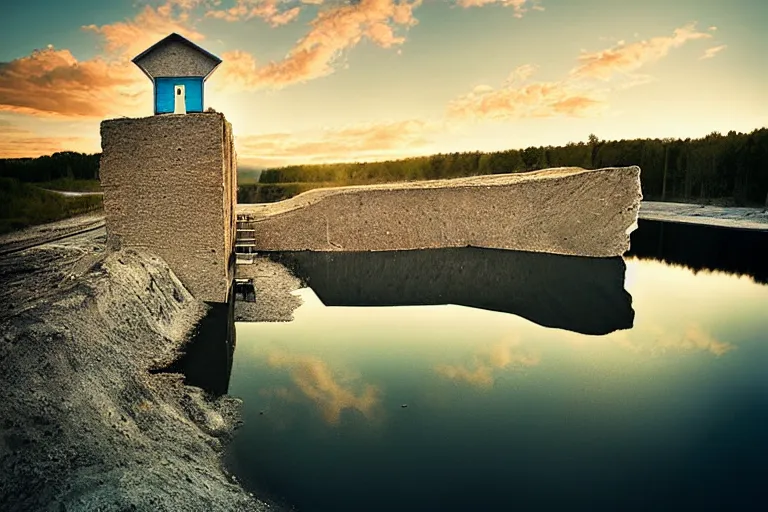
column 581, row 93
column 373, row 141
column 330, row 393
column 334, row 30
column 521, row 74
column 516, row 100
column 520, row 7
column 130, row 37
column 625, row 58
column 659, row 341
column 54, row 82
column 484, row 366
column 274, row 12
column 711, row 52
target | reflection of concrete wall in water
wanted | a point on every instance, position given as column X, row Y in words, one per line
column 737, row 251
column 170, row 187
column 207, row 361
column 579, row 294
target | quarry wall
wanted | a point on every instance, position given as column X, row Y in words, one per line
column 568, row 211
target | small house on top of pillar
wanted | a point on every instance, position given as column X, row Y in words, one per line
column 178, row 69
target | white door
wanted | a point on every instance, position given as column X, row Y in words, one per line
column 179, row 100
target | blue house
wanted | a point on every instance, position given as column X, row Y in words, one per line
column 178, row 69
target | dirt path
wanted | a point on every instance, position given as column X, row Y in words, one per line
column 37, row 235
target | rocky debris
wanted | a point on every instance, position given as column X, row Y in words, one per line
column 273, row 284
column 84, row 425
column 568, row 211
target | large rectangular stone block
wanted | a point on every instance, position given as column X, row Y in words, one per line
column 570, row 211
column 170, row 188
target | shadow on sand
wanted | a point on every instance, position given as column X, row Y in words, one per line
column 207, row 359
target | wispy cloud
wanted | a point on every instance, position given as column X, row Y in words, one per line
column 516, row 99
column 373, row 141
column 483, row 368
column 274, row 12
column 520, row 7
column 711, row 52
column 329, row 391
column 130, row 37
column 582, row 92
column 659, row 341
column 334, row 30
column 54, row 82
column 626, row 58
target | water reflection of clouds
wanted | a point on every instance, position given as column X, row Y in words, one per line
column 655, row 340
column 486, row 364
column 483, row 368
column 330, row 391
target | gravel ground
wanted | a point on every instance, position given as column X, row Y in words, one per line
column 84, row 425
column 38, row 234
column 273, row 283
column 724, row 216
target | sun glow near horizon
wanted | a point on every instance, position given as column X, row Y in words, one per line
column 324, row 81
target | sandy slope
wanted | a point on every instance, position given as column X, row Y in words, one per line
column 84, row 425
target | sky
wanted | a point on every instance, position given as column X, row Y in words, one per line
column 314, row 81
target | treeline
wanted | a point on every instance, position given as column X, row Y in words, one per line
column 67, row 165
column 732, row 166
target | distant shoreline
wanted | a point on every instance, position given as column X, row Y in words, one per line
column 740, row 217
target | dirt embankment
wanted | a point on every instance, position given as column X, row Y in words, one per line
column 84, row 425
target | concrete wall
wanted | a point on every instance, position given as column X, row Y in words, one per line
column 169, row 188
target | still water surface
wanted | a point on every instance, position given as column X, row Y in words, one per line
column 558, row 383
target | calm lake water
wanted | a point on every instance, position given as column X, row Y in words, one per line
column 548, row 383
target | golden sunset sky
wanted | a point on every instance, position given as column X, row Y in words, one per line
column 309, row 81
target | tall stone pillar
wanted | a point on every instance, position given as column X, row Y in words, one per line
column 170, row 188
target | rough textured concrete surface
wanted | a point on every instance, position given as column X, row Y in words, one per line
column 170, row 187
column 175, row 58
column 569, row 211
column 84, row 423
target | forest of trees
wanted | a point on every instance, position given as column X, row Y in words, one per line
column 64, row 165
column 732, row 167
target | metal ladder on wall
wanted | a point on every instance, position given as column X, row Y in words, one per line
column 245, row 236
